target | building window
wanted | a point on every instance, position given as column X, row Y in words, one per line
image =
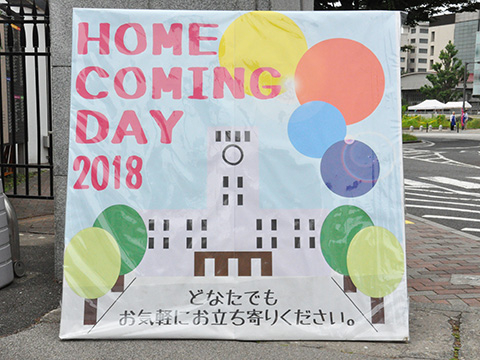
column 259, row 243
column 424, row 31
column 240, row 182
column 413, row 41
column 432, row 49
column 166, row 225
column 432, row 36
column 189, row 242
column 296, row 224
column 431, row 64
column 411, row 70
column 274, row 242
column 412, row 60
column 204, row 242
column 259, row 224
column 274, row 224
column 165, row 243
column 204, row 224
column 422, row 70
column 151, row 242
column 189, row 224
column 297, row 242
column 312, row 242
column 312, row 224
column 423, row 51
column 423, row 41
column 239, row 199
column 151, row 225
column 412, row 51
column 413, row 30
column 422, row 61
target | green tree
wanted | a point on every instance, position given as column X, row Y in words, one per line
column 417, row 10
column 448, row 74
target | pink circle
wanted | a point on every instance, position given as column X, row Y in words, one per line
column 343, row 73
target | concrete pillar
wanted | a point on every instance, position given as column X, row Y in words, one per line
column 61, row 23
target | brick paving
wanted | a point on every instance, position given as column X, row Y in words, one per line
column 434, row 254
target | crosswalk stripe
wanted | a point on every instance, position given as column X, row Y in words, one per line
column 410, row 193
column 430, row 191
column 417, row 184
column 471, row 229
column 442, row 202
column 446, row 191
column 453, row 182
column 450, row 218
column 442, row 208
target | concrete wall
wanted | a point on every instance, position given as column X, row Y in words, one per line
column 61, row 22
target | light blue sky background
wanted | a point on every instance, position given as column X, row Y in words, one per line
column 175, row 175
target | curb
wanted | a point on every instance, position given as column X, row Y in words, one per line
column 443, row 227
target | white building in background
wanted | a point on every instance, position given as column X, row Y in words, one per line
column 440, row 32
column 427, row 40
column 415, row 59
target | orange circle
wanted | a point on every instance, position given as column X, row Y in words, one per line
column 343, row 73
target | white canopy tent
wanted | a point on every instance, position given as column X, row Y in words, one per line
column 437, row 105
column 428, row 105
column 457, row 105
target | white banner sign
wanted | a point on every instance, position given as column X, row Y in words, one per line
column 235, row 175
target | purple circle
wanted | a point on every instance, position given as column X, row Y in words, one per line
column 350, row 170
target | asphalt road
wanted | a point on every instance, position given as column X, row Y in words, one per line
column 442, row 179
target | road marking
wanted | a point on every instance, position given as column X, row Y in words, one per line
column 431, row 191
column 450, row 218
column 417, row 184
column 439, row 197
column 453, row 182
column 434, row 157
column 441, row 202
column 408, row 222
column 474, row 177
column 448, row 191
column 442, row 208
column 471, row 229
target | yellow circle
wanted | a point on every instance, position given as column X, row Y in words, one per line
column 263, row 39
column 92, row 263
column 375, row 261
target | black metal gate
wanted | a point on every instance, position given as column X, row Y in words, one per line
column 25, row 99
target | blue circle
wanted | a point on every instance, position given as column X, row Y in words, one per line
column 314, row 127
column 350, row 170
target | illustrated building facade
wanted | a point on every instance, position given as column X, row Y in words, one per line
column 233, row 236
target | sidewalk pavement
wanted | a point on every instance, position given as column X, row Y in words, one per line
column 443, row 269
column 471, row 134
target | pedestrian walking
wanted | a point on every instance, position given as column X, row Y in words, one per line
column 465, row 120
column 452, row 121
